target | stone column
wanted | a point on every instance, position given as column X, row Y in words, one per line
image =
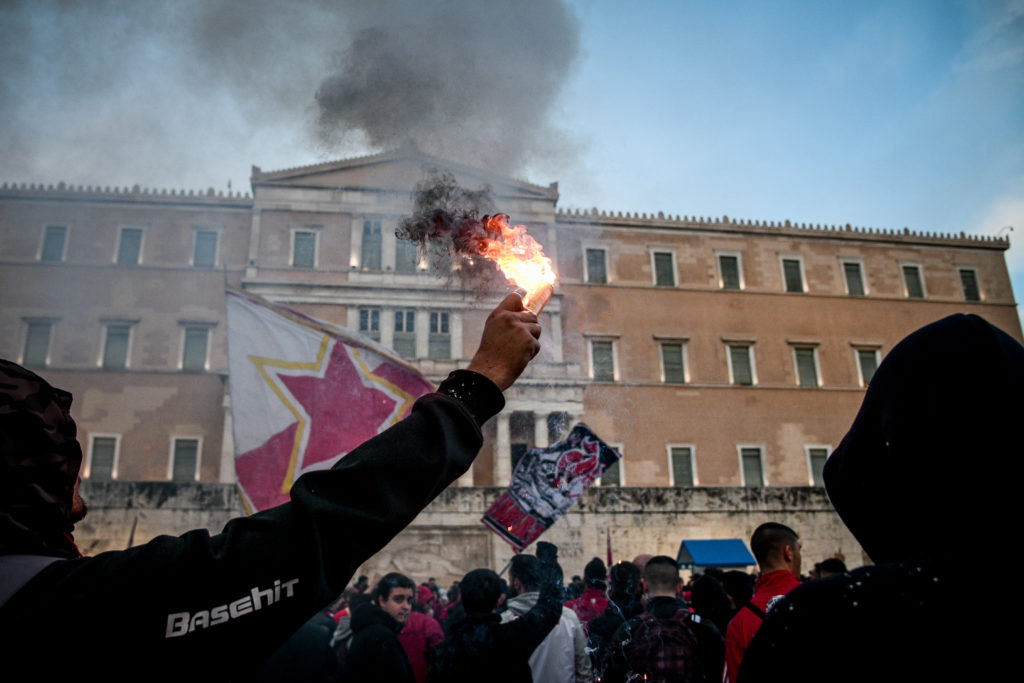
column 227, row 443
column 540, row 429
column 467, row 478
column 503, row 452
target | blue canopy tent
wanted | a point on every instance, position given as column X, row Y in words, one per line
column 724, row 552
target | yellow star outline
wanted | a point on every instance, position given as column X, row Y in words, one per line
column 404, row 398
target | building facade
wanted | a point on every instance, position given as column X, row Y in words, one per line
column 713, row 353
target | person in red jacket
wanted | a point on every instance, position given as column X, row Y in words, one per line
column 594, row 600
column 421, row 633
column 776, row 548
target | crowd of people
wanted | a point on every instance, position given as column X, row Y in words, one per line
column 922, row 480
column 636, row 620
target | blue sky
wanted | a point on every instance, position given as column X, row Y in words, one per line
column 903, row 113
column 881, row 114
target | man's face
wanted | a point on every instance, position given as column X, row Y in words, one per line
column 398, row 604
column 78, row 508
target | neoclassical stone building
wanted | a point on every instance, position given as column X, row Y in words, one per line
column 724, row 358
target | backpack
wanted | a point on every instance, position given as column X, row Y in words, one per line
column 664, row 649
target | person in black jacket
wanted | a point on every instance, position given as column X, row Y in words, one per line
column 922, row 480
column 376, row 653
column 204, row 606
column 481, row 648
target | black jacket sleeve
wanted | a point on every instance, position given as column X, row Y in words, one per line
column 218, row 605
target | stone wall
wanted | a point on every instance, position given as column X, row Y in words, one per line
column 448, row 539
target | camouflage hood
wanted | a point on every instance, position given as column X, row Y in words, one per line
column 40, row 459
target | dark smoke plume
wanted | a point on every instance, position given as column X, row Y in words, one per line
column 468, row 81
column 448, row 224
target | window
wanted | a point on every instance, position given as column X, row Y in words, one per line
column 37, row 344
column 854, row 278
column 371, row 248
column 406, row 256
column 103, row 458
column 673, row 362
column 664, row 268
column 115, row 346
column 405, row 333
column 612, row 476
column 129, row 247
column 681, row 463
column 741, row 365
column 816, row 457
column 597, row 271
column 439, row 343
column 185, row 460
column 729, row 271
column 806, row 362
column 753, row 467
column 303, row 249
column 602, row 360
column 793, row 274
column 969, row 282
column 204, row 253
column 369, row 323
column 53, row 244
column 914, row 283
column 867, row 363
column 193, row 355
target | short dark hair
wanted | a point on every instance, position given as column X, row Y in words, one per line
column 388, row 583
column 768, row 540
column 625, row 578
column 661, row 572
column 595, row 573
column 832, row 565
column 527, row 569
column 480, row 590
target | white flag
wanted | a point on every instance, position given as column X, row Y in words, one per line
column 304, row 393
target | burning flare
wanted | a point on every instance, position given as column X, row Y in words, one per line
column 520, row 258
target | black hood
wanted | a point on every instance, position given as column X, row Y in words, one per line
column 926, row 473
column 40, row 459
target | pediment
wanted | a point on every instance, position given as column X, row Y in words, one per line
column 398, row 170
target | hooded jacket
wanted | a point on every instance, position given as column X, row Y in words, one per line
column 922, row 481
column 376, row 653
column 200, row 605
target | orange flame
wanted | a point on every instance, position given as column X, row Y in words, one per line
column 520, row 258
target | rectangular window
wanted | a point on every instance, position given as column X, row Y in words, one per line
column 369, row 323
column 806, row 366
column 664, row 269
column 854, row 278
column 602, row 360
column 673, row 363
column 102, row 458
column 597, row 271
column 682, row 465
column 741, row 369
column 729, row 271
column 129, row 247
column 912, row 279
column 406, row 256
column 793, row 273
column 37, row 344
column 405, row 334
column 612, row 476
column 439, row 343
column 969, row 282
column 53, row 244
column 115, row 346
column 204, row 253
column 193, row 355
column 303, row 249
column 371, row 249
column 185, row 462
column 867, row 362
column 816, row 457
column 753, row 472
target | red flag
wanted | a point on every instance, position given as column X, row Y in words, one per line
column 304, row 393
column 545, row 483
